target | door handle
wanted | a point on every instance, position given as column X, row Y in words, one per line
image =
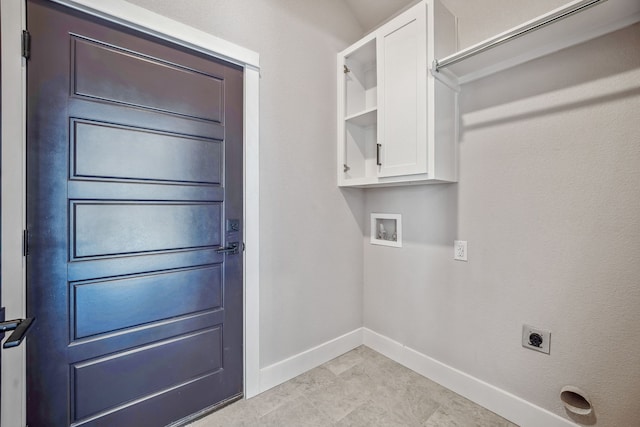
column 232, row 249
column 20, row 327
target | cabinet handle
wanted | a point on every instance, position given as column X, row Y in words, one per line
column 378, row 162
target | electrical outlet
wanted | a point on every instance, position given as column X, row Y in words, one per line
column 536, row 339
column 460, row 250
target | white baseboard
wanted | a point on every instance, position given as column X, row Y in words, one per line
column 287, row 369
column 503, row 403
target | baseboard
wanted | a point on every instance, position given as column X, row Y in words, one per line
column 300, row 363
column 505, row 404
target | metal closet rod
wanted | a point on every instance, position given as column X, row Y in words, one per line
column 562, row 14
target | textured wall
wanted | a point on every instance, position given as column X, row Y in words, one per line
column 310, row 231
column 549, row 202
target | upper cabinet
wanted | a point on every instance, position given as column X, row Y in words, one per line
column 396, row 123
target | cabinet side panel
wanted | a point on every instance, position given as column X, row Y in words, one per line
column 445, row 31
column 445, row 100
column 446, row 133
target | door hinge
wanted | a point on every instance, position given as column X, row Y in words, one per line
column 25, row 242
column 26, row 44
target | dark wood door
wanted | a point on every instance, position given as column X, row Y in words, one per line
column 134, row 185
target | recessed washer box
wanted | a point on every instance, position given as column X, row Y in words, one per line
column 386, row 229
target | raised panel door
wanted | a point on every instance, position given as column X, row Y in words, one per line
column 402, row 94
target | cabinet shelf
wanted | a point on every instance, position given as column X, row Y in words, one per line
column 574, row 23
column 367, row 117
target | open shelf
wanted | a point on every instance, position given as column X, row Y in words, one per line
column 364, row 118
column 361, row 81
column 578, row 21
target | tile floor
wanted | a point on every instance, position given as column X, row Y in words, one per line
column 359, row 388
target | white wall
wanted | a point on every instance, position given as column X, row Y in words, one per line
column 548, row 199
column 310, row 231
column 549, row 202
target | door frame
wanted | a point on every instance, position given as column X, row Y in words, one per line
column 13, row 188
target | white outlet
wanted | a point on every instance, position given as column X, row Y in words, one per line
column 460, row 250
column 536, row 339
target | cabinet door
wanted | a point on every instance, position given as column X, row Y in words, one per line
column 402, row 94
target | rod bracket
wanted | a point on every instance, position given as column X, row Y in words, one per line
column 435, row 66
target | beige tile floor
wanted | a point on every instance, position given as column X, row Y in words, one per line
column 359, row 388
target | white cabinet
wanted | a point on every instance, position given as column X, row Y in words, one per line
column 396, row 123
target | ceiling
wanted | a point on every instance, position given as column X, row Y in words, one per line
column 370, row 13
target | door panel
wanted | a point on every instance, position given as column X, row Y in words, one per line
column 131, row 375
column 103, row 151
column 95, row 75
column 402, row 71
column 161, row 295
column 113, row 228
column 134, row 164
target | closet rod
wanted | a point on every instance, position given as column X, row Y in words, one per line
column 489, row 44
